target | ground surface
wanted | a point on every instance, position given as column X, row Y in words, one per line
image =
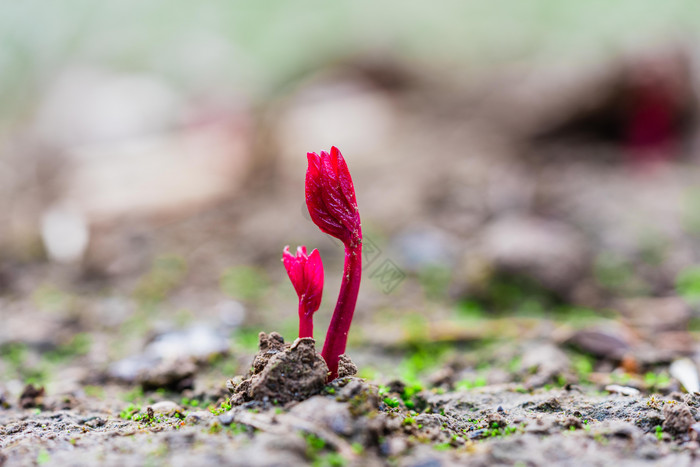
column 495, row 401
column 491, row 425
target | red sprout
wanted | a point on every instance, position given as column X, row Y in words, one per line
column 306, row 273
column 330, row 198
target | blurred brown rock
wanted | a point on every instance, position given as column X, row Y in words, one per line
column 550, row 252
column 656, row 314
column 608, row 344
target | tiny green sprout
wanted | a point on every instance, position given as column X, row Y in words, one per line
column 572, row 428
column 224, row 407
column 130, row 412
column 237, row 428
column 392, row 402
column 43, row 457
column 314, row 445
column 357, row 448
column 659, row 432
column 333, row 459
column 442, row 446
column 409, row 421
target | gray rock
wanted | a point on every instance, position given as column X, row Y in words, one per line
column 171, row 358
column 166, row 408
column 198, row 342
column 200, row 416
column 319, row 409
column 226, row 418
column 552, row 253
column 604, row 344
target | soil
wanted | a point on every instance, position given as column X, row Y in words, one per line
column 354, row 422
column 282, row 372
column 284, row 413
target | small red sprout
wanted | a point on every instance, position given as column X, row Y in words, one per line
column 330, row 198
column 306, row 273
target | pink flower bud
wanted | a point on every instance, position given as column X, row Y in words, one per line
column 306, row 273
column 330, row 197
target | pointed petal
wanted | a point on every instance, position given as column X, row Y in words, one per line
column 344, row 177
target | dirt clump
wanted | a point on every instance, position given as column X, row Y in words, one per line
column 32, row 396
column 346, row 367
column 282, row 372
column 677, row 418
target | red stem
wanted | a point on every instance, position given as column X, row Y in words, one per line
column 306, row 322
column 337, row 336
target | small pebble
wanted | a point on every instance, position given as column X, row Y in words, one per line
column 226, row 418
column 166, row 408
column 624, row 390
column 199, row 416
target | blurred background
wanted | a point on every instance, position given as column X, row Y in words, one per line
column 526, row 172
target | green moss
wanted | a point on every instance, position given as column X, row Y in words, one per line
column 94, row 391
column 422, row 357
column 224, row 407
column 14, row 353
column 78, row 345
column 331, row 459
column 656, row 381
column 314, row 445
column 688, row 284
column 465, row 384
column 583, row 366
column 246, row 338
column 392, row 402
column 442, row 446
column 470, row 309
column 130, row 412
